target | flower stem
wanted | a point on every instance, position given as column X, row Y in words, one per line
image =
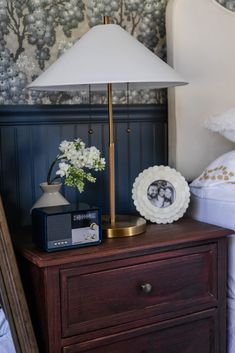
column 56, row 177
column 49, row 181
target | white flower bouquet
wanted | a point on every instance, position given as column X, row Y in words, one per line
column 75, row 162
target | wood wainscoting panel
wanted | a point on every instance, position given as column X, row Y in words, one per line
column 29, row 141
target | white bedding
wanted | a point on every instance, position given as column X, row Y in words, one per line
column 214, row 205
column 217, row 206
column 6, row 342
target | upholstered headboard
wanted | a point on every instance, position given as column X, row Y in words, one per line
column 200, row 46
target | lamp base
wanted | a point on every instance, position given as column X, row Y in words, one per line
column 125, row 226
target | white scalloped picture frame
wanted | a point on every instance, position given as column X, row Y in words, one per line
column 161, row 194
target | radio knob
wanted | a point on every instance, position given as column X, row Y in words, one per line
column 94, row 226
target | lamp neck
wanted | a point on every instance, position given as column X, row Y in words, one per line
column 110, row 111
column 111, row 151
column 111, row 157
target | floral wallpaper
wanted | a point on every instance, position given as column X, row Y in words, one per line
column 228, row 4
column 34, row 33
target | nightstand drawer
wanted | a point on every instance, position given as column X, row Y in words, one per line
column 99, row 297
column 169, row 337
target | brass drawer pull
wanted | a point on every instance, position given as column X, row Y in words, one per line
column 146, row 287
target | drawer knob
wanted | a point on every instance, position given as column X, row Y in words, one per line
column 146, row 287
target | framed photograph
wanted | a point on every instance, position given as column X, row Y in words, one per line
column 161, row 194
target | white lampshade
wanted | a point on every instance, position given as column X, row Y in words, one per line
column 107, row 54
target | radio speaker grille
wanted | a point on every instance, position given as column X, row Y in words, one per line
column 59, row 224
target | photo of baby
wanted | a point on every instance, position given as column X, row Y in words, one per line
column 161, row 193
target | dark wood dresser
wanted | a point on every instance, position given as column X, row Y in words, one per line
column 160, row 292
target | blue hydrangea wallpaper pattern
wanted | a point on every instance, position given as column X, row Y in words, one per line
column 34, row 33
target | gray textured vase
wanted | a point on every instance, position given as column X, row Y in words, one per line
column 51, row 196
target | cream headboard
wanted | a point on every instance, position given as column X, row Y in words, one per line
column 201, row 47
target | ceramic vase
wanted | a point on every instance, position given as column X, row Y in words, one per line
column 51, row 196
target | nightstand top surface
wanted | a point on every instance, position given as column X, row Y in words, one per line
column 158, row 237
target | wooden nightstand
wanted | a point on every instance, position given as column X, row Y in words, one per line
column 160, row 292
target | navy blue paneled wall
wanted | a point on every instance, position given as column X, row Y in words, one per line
column 29, row 140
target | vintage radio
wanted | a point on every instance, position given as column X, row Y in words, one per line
column 65, row 227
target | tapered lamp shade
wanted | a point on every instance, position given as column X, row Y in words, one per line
column 107, row 54
column 108, row 57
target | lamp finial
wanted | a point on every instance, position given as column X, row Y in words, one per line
column 106, row 20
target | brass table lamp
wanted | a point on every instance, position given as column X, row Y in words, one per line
column 108, row 57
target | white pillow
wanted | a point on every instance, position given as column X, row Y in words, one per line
column 223, row 123
column 220, row 171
